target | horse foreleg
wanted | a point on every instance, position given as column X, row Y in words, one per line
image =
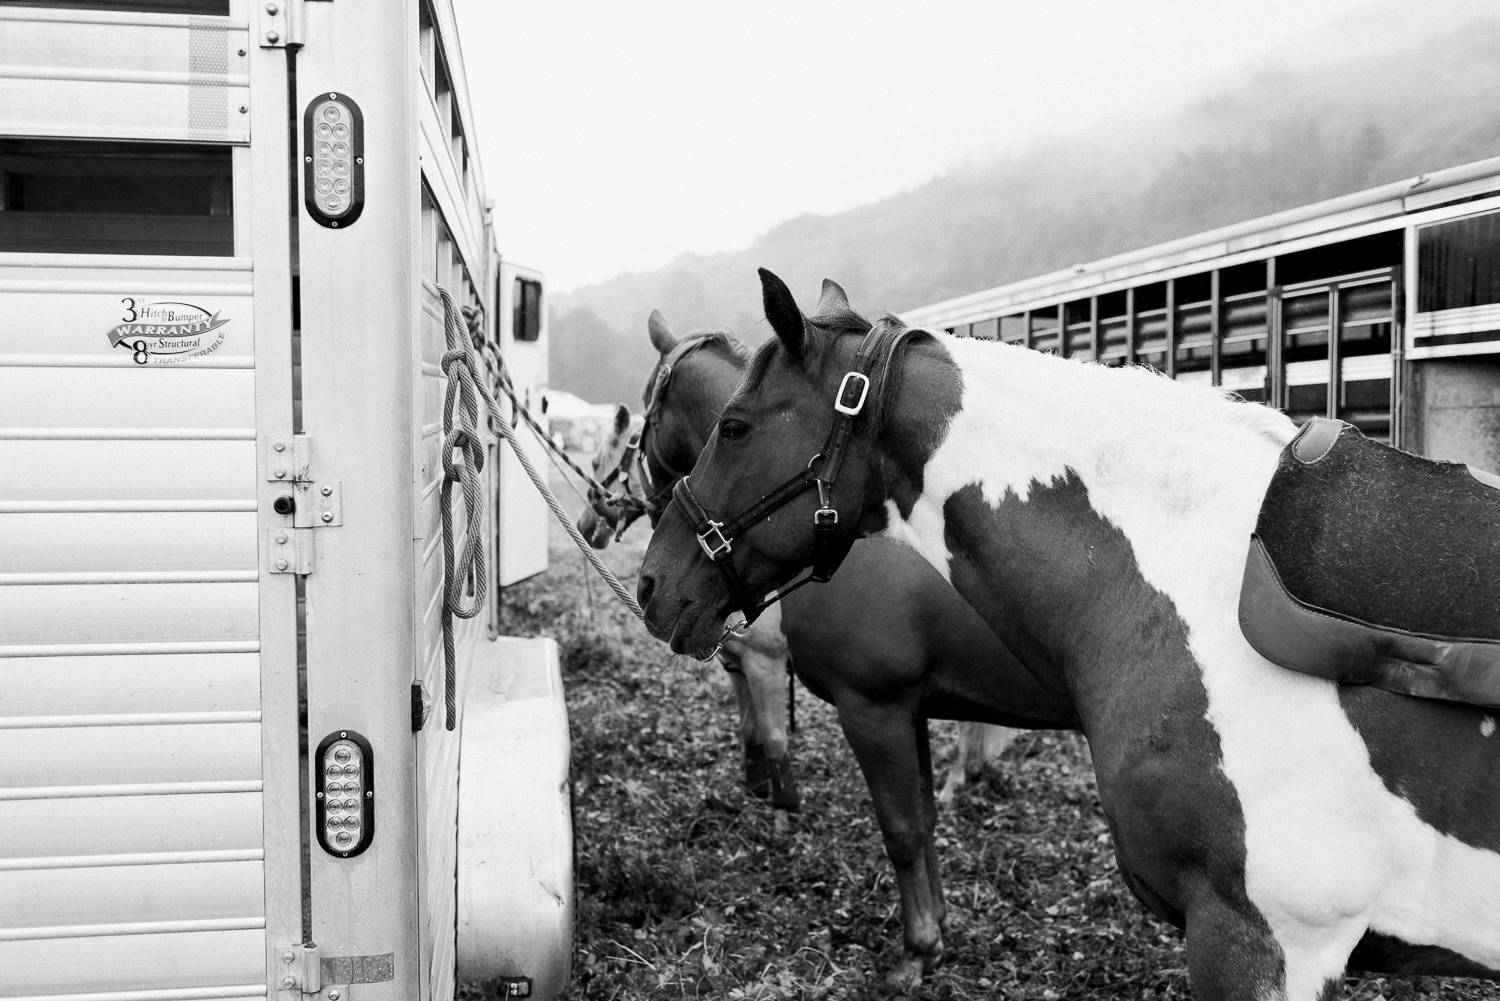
column 892, row 754
column 757, row 772
column 979, row 747
column 1232, row 956
column 765, row 682
column 929, row 818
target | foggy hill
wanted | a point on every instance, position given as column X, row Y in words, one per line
column 1272, row 139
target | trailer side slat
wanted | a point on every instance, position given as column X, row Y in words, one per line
column 73, row 756
column 135, row 962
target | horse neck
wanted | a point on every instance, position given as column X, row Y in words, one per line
column 1049, row 471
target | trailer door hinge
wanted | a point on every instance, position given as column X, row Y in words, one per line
column 280, row 25
column 310, row 503
column 288, row 458
column 290, row 550
column 320, row 504
column 300, row 968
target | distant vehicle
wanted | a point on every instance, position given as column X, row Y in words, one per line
column 227, row 765
column 1380, row 308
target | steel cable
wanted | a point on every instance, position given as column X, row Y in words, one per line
column 461, row 402
column 460, row 358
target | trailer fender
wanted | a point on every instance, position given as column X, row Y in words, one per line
column 515, row 826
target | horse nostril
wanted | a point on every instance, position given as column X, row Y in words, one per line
column 644, row 588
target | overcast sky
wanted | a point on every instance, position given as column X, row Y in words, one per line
column 618, row 134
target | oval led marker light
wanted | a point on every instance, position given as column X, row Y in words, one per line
column 333, row 160
column 346, row 796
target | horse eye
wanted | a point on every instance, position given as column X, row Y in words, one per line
column 733, row 429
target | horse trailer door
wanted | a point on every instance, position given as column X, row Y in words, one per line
column 148, row 691
column 522, row 516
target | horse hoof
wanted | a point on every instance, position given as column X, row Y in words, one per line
column 907, row 976
column 784, row 793
column 757, row 771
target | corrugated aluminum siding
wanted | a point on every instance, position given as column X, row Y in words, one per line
column 131, row 843
column 123, row 75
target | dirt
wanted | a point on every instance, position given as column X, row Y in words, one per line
column 686, row 888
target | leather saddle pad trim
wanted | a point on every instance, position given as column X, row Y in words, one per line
column 1316, row 641
column 1316, row 439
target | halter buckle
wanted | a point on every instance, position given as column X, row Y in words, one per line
column 715, row 550
column 847, row 402
column 825, row 517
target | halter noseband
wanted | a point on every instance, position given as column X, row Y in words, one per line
column 717, row 537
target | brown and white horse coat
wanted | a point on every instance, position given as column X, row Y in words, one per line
column 1098, row 520
column 1147, row 492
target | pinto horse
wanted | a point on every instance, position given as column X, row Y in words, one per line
column 1099, row 520
column 888, row 644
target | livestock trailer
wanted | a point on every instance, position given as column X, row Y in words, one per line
column 228, row 766
column 1380, row 308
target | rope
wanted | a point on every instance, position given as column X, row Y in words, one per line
column 508, row 432
column 623, row 499
column 462, row 403
column 495, row 366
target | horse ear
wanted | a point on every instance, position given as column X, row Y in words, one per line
column 783, row 314
column 622, row 418
column 833, row 299
column 661, row 334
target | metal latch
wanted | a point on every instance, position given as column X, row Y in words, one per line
column 300, row 968
column 309, row 503
column 320, row 504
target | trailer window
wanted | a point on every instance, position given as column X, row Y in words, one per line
column 1458, row 264
column 62, row 196
column 528, row 310
column 218, row 8
column 1366, row 253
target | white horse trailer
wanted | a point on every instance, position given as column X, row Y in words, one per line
column 228, row 768
column 1380, row 308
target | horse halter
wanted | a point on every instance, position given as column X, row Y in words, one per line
column 647, row 448
column 717, row 537
column 629, row 504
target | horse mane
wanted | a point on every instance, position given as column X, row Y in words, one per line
column 894, row 337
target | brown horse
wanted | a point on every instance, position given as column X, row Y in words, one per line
column 756, row 660
column 1099, row 520
column 887, row 642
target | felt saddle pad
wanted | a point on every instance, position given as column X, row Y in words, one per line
column 1372, row 566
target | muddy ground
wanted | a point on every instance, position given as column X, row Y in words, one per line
column 688, row 889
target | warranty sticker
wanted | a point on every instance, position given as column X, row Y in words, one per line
column 167, row 333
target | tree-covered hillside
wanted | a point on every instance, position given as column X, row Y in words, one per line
column 1280, row 139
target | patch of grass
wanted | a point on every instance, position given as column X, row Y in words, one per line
column 687, row 888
